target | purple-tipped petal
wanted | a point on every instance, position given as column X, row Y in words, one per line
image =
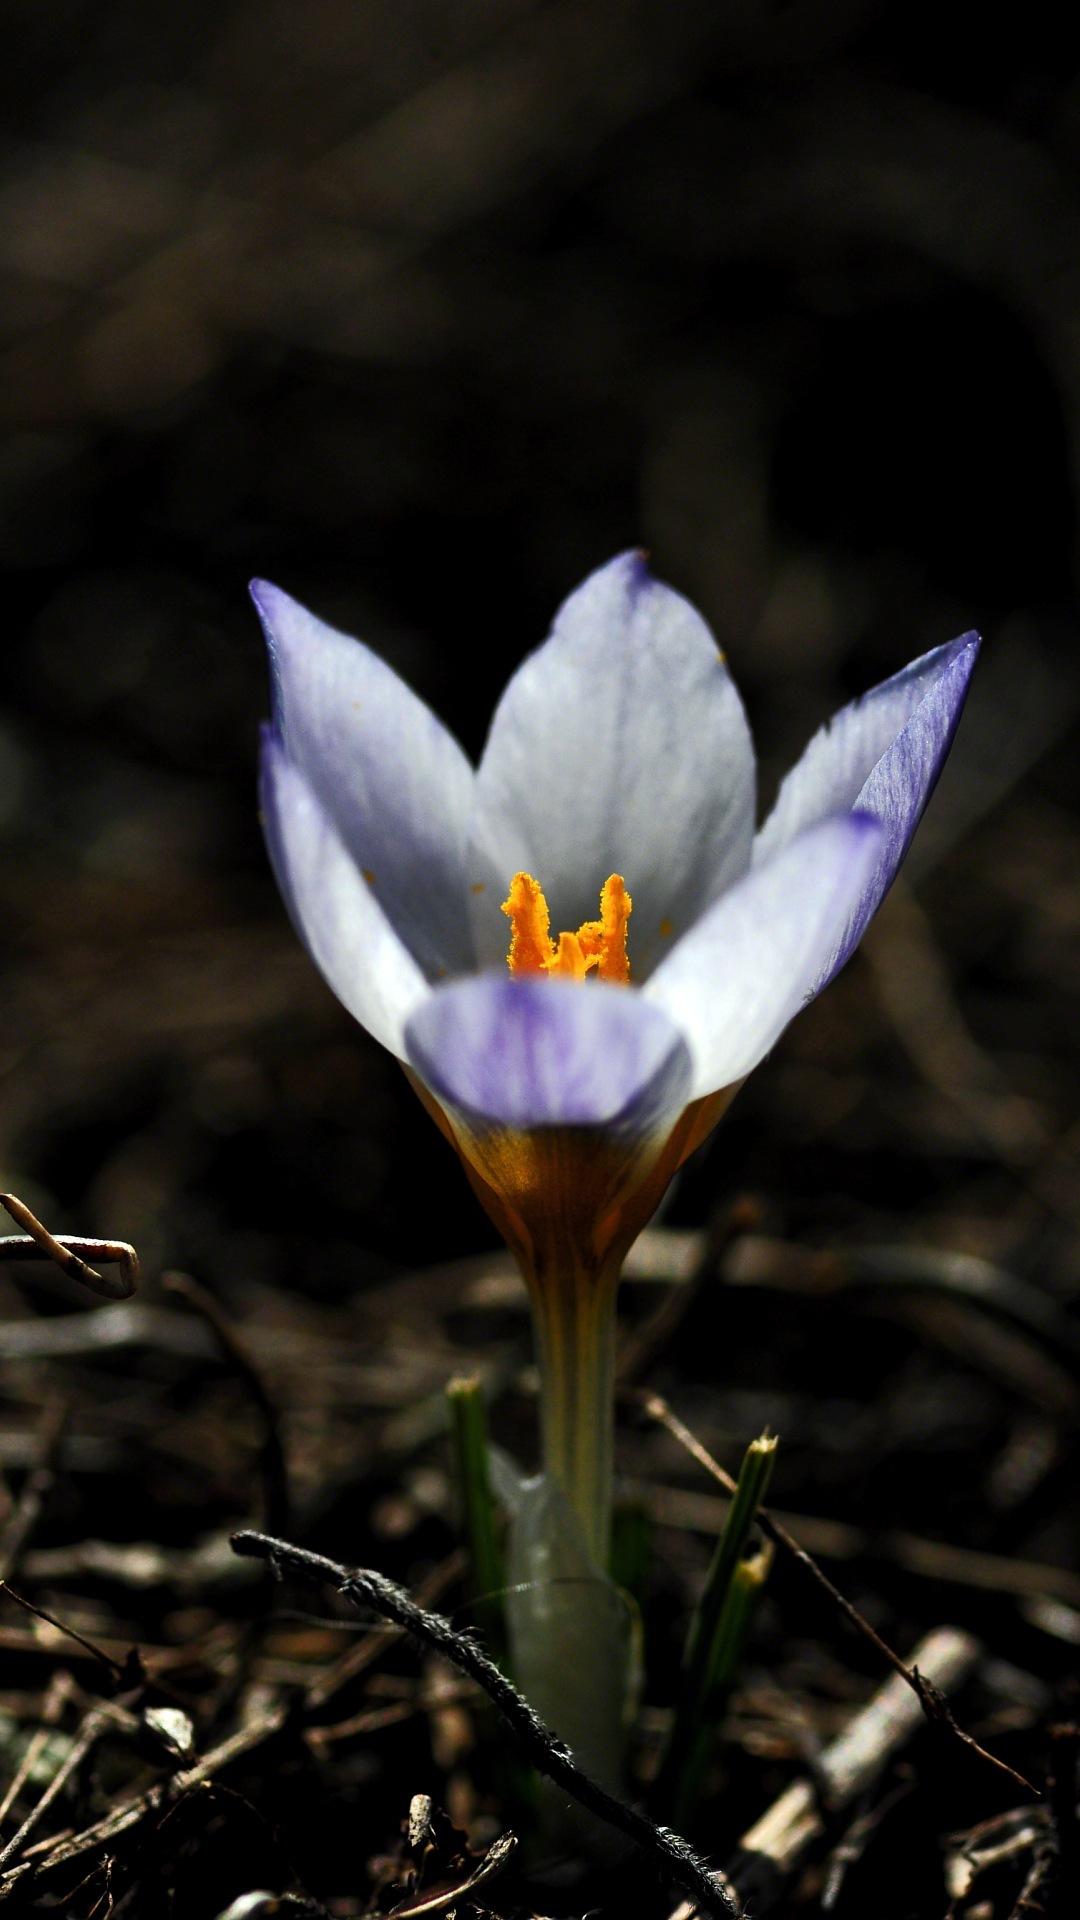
column 882, row 754
column 333, row 909
column 393, row 780
column 620, row 746
column 536, row 1053
column 736, row 979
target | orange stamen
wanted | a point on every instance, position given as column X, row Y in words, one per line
column 597, row 943
column 531, row 946
column 616, row 907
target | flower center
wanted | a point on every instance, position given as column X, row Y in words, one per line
column 597, row 943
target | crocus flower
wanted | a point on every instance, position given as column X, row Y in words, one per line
column 579, row 949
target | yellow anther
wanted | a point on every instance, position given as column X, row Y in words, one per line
column 531, row 946
column 597, row 943
column 616, row 907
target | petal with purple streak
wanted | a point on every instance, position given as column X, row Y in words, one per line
column 539, row 1053
column 391, row 778
column 881, row 754
column 333, row 909
column 759, row 954
column 619, row 746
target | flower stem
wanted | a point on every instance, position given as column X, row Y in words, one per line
column 575, row 1326
column 569, row 1626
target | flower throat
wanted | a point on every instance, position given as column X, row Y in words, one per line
column 597, row 944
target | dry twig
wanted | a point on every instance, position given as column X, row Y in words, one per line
column 274, row 1473
column 68, row 1250
column 364, row 1588
column 426, row 1906
column 113, row 1667
column 131, row 1814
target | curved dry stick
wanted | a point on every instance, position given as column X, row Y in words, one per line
column 67, row 1250
column 366, row 1589
column 275, row 1478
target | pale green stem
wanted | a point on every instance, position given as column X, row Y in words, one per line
column 569, row 1627
column 575, row 1329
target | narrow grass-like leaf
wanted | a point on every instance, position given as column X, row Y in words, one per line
column 469, row 1443
column 631, row 1547
column 717, row 1632
column 744, row 1592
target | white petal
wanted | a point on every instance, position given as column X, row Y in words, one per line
column 620, row 746
column 533, row 1053
column 759, row 954
column 833, row 770
column 393, row 780
column 333, row 909
column 882, row 755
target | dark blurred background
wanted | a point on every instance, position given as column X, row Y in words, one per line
column 423, row 310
